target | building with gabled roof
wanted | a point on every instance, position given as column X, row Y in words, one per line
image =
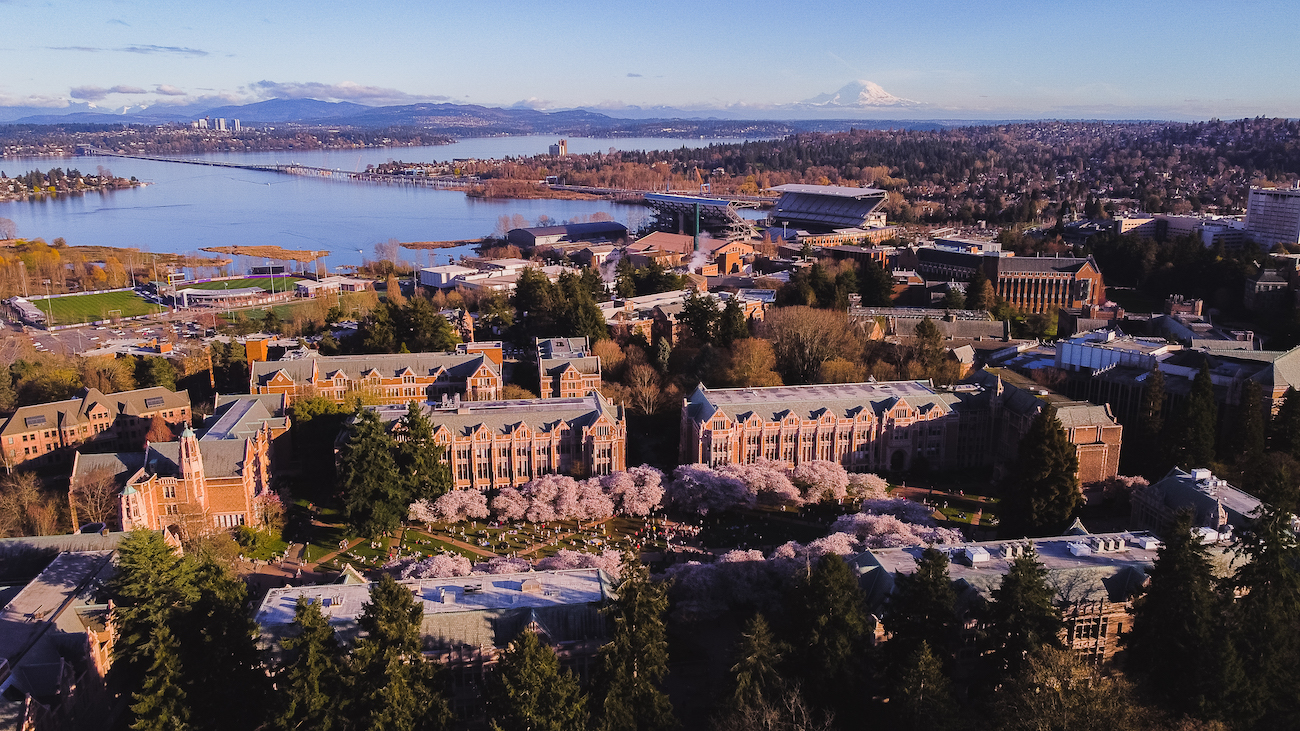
column 1212, row 501
column 45, row 434
column 566, row 368
column 385, row 378
column 862, row 426
column 191, row 485
column 494, row 444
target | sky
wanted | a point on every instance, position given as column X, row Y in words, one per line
column 967, row 59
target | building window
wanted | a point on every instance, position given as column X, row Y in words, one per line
column 169, row 491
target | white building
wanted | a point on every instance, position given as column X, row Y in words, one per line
column 1273, row 216
column 445, row 276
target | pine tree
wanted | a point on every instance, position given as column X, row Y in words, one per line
column 219, row 657
column 876, row 285
column 419, row 459
column 152, row 587
column 310, row 680
column 1177, row 642
column 923, row 608
column 1267, row 619
column 732, row 325
column 755, row 676
column 636, row 658
column 832, row 624
column 1148, row 444
column 1042, row 491
column 1195, row 448
column 1286, row 425
column 1022, row 617
column 375, row 498
column 929, row 343
column 530, row 693
column 1246, row 443
column 922, row 700
column 979, row 293
column 160, row 704
column 700, row 315
column 393, row 688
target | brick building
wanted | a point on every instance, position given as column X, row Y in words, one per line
column 493, row 444
column 566, row 368
column 863, row 426
column 45, row 434
column 1213, row 502
column 387, row 379
column 1004, row 406
column 1045, row 284
column 191, row 485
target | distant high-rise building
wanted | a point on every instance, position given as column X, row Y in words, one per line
column 201, row 124
column 221, row 124
column 1273, row 216
column 236, row 125
column 560, row 149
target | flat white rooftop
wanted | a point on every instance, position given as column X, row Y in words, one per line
column 480, row 592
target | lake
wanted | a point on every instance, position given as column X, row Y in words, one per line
column 188, row 207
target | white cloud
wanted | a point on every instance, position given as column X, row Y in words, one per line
column 168, row 90
column 343, row 91
column 95, row 93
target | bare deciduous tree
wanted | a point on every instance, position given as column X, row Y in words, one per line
column 643, row 389
column 95, row 497
column 805, row 337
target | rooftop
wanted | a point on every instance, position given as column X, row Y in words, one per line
column 461, row 418
column 838, row 191
column 342, row 603
column 810, row 402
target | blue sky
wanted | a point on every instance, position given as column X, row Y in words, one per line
column 1091, row 58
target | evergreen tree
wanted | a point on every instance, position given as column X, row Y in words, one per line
column 1022, row 617
column 219, row 657
column 152, row 587
column 953, row 299
column 1177, row 642
column 1195, row 447
column 876, row 285
column 1043, row 489
column 755, row 676
column 585, row 319
column 922, row 700
column 1267, row 620
column 419, row 459
column 422, row 329
column 378, row 331
column 375, row 498
column 732, row 325
column 979, row 293
column 833, row 622
column 7, row 395
column 310, row 680
column 1246, row 443
column 1286, row 425
column 923, row 608
column 929, row 344
column 625, row 278
column 700, row 314
column 636, row 658
column 393, row 688
column 1148, row 445
column 531, row 693
column 160, row 704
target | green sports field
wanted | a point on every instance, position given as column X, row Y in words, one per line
column 281, row 284
column 91, row 307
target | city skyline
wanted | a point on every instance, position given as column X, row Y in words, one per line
column 928, row 60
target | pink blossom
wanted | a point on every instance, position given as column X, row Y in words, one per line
column 867, row 486
column 593, row 503
column 821, row 479
column 503, row 565
column 609, row 561
column 767, row 479
column 905, row 510
column 887, row 531
column 422, row 511
column 637, row 491
column 740, row 555
column 509, row 504
column 459, row 505
column 699, row 488
column 441, row 566
column 542, row 493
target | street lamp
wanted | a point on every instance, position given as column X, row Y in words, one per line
column 48, row 305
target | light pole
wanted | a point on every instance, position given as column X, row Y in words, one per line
column 48, row 305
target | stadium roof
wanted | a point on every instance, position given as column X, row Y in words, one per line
column 839, row 191
column 826, row 207
column 716, row 214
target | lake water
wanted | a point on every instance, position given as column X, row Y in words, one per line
column 188, row 207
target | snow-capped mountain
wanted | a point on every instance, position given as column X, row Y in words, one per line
column 858, row 94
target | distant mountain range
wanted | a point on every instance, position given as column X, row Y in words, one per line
column 859, row 104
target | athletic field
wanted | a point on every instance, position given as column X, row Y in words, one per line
column 91, row 307
column 281, row 284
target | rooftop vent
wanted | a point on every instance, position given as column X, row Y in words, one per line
column 154, row 402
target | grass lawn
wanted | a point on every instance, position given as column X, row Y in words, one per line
column 91, row 307
column 281, row 283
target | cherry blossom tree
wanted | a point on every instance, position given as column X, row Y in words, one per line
column 509, row 504
column 593, row 503
column 700, row 489
column 821, row 479
column 905, row 510
column 887, row 531
column 609, row 561
column 867, row 486
column 637, row 491
column 768, row 480
column 567, row 496
column 542, row 493
column 441, row 566
column 459, row 505
column 503, row 565
column 422, row 511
